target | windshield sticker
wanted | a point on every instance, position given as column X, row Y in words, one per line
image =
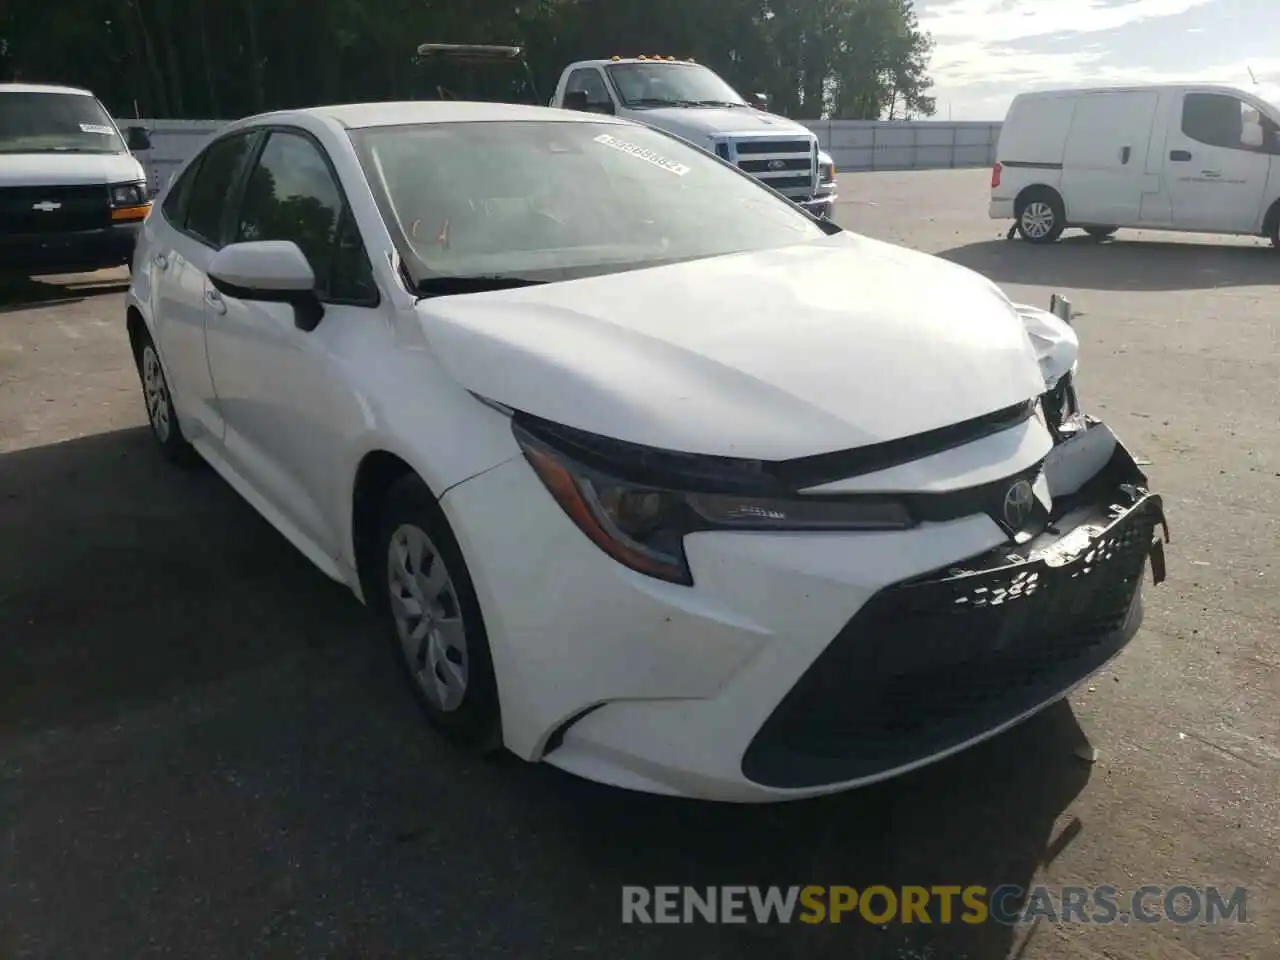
column 679, row 169
column 101, row 128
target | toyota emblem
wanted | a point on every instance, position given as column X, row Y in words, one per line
column 1018, row 501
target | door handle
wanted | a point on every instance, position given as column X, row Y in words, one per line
column 1181, row 156
column 160, row 261
column 214, row 299
column 1125, row 153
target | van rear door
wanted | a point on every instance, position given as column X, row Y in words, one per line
column 1104, row 166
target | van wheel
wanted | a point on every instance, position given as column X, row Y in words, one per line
column 1041, row 218
column 1101, row 233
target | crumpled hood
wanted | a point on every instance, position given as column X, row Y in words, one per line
column 69, row 169
column 698, row 123
column 823, row 346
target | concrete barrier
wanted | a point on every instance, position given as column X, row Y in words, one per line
column 907, row 144
column 853, row 144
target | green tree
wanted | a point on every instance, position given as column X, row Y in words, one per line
column 228, row 58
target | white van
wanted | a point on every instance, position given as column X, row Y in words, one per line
column 1189, row 157
column 72, row 194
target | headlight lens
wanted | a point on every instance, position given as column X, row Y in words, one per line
column 128, row 194
column 643, row 526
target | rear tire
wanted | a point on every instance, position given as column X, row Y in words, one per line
column 161, row 415
column 1101, row 233
column 1040, row 216
column 429, row 607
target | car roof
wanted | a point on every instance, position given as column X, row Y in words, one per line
column 42, row 88
column 355, row 116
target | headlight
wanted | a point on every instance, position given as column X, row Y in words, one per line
column 128, row 194
column 643, row 524
column 826, row 168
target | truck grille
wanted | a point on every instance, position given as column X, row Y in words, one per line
column 31, row 210
column 788, row 165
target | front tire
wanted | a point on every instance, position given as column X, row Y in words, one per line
column 160, row 412
column 1041, row 218
column 428, row 604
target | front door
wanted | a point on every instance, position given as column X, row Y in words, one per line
column 1217, row 164
column 281, row 390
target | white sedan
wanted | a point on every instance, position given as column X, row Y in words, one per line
column 649, row 474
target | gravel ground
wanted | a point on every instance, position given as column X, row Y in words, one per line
column 204, row 753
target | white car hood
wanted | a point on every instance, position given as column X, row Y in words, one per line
column 69, row 169
column 828, row 345
column 698, row 123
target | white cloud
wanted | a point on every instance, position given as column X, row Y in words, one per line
column 1003, row 20
column 976, row 72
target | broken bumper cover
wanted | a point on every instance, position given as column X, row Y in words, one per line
column 931, row 665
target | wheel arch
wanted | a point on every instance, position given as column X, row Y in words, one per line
column 1032, row 191
column 1271, row 219
column 376, row 473
column 136, row 325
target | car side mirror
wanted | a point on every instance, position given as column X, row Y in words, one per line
column 271, row 271
column 762, row 101
column 575, row 100
column 137, row 138
column 601, row 106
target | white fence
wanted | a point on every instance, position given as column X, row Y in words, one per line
column 853, row 144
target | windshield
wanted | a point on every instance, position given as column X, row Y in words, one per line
column 559, row 200
column 662, row 84
column 55, row 123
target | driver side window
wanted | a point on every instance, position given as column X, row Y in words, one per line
column 589, row 82
column 292, row 195
column 1221, row 120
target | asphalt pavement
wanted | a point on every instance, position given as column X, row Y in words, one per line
column 205, row 751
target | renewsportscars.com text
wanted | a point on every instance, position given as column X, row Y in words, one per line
column 1009, row 904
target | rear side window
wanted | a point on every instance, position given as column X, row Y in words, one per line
column 219, row 169
column 175, row 203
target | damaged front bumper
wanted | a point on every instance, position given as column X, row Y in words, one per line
column 931, row 665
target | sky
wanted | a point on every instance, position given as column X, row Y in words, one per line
column 989, row 50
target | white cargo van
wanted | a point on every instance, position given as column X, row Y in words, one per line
column 1189, row 157
column 72, row 194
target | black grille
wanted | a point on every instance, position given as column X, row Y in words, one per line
column 927, row 665
column 746, row 147
column 79, row 208
column 777, row 165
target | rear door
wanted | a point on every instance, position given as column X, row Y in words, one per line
column 1217, row 164
column 1104, row 166
column 180, row 248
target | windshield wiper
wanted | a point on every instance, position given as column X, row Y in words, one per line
column 661, row 102
column 443, row 286
column 718, row 103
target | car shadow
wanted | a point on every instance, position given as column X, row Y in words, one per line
column 1082, row 263
column 180, row 691
column 23, row 293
